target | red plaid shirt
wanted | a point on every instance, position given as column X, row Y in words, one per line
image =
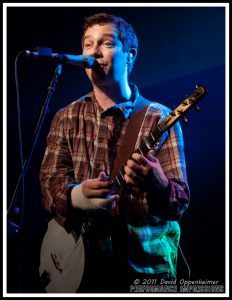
column 84, row 140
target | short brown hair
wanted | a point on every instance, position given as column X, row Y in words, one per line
column 126, row 32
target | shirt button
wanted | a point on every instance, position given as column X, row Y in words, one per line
column 100, row 140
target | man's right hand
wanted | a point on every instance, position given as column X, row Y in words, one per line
column 96, row 188
column 94, row 194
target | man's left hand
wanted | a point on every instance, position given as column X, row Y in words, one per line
column 145, row 171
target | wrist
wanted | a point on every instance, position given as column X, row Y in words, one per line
column 78, row 199
column 162, row 187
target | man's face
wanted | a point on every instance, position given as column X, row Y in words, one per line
column 102, row 42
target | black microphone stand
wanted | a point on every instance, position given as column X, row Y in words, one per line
column 14, row 213
column 12, row 227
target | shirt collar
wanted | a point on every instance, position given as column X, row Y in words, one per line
column 125, row 107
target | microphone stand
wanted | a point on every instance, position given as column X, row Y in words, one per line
column 51, row 89
column 12, row 227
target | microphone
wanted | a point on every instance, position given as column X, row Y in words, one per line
column 45, row 54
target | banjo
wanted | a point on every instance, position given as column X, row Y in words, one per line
column 62, row 255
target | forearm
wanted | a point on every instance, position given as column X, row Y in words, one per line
column 172, row 201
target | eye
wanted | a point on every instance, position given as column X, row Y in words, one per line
column 87, row 45
column 108, row 44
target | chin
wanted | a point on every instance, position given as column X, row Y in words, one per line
column 101, row 78
column 98, row 79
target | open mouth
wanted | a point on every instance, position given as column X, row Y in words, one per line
column 102, row 65
column 100, row 69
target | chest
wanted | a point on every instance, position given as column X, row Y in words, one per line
column 94, row 141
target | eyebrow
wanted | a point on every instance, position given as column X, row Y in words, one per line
column 104, row 35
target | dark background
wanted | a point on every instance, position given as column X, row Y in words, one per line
column 178, row 48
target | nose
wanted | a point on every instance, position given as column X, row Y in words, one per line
column 95, row 51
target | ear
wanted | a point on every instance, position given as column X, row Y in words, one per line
column 131, row 55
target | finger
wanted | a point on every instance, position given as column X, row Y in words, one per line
column 95, row 188
column 129, row 171
column 94, row 184
column 144, row 160
column 99, row 193
column 137, row 178
column 135, row 169
column 99, row 185
column 133, row 166
column 135, row 172
column 107, row 203
column 129, row 180
column 112, row 202
column 113, row 198
column 139, row 159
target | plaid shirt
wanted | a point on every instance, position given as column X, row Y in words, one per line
column 84, row 140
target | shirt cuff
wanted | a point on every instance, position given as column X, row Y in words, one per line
column 78, row 199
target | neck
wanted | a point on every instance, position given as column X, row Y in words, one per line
column 109, row 96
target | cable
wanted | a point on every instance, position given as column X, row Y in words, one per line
column 187, row 265
column 20, row 139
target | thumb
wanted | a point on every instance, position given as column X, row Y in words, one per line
column 102, row 176
column 151, row 155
